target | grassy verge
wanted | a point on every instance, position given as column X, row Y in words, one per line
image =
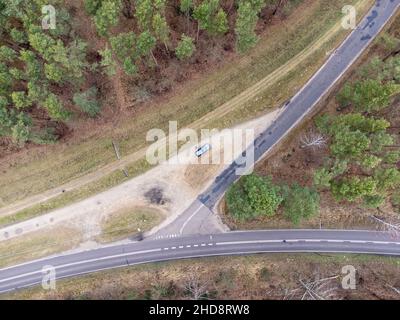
column 38, row 244
column 273, row 276
column 108, row 181
column 283, row 50
column 127, row 222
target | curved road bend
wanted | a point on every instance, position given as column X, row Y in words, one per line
column 200, row 212
column 231, row 243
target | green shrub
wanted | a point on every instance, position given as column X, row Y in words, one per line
column 300, row 203
column 253, row 196
column 185, row 48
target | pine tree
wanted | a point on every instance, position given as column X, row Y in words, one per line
column 33, row 64
column 210, row 17
column 246, row 21
column 107, row 15
column 185, row 48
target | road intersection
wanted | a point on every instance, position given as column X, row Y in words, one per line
column 200, row 212
column 196, row 232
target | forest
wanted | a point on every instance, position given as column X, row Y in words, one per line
column 47, row 72
column 358, row 144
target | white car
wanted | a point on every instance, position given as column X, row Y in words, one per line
column 202, row 150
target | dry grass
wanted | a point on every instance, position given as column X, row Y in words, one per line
column 38, row 244
column 128, row 222
column 112, row 179
column 295, row 48
column 273, row 276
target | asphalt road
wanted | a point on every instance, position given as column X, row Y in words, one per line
column 307, row 98
column 195, row 218
column 198, row 218
column 231, row 243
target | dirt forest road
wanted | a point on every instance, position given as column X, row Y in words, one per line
column 87, row 214
column 246, row 95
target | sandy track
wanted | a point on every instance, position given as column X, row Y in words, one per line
column 230, row 105
column 177, row 188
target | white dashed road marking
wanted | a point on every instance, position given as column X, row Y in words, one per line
column 280, row 241
column 305, row 240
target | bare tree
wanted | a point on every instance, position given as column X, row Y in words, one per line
column 196, row 288
column 320, row 289
column 313, row 140
column 393, row 228
column 394, row 289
